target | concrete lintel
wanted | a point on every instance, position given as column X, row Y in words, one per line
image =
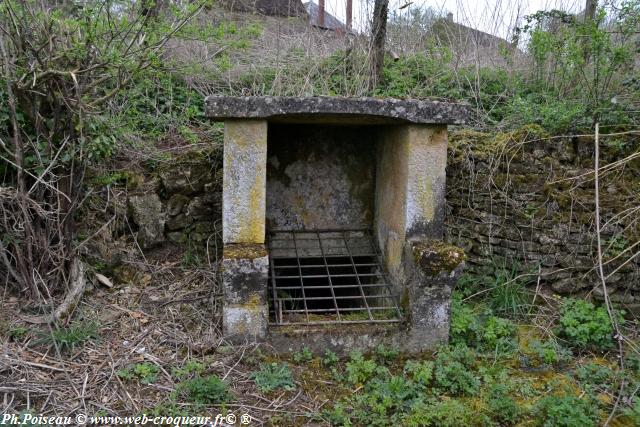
column 322, row 109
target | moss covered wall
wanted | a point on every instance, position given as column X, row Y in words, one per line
column 520, row 196
column 529, row 199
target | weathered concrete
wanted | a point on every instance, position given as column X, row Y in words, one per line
column 426, row 180
column 244, row 181
column 391, row 197
column 320, row 109
column 432, row 268
column 244, row 284
column 410, row 189
column 340, row 339
column 320, row 177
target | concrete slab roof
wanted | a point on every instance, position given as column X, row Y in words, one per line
column 335, row 110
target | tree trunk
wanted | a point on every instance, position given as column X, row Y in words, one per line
column 378, row 36
column 589, row 15
column 590, row 10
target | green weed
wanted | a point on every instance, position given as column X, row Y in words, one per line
column 273, row 376
column 205, row 390
column 566, row 411
column 359, row 369
column 304, row 355
column 550, row 352
column 145, row 372
column 68, row 338
column 454, row 373
column 190, row 368
column 330, row 358
column 584, row 325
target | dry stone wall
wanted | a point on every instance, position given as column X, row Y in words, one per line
column 525, row 200
column 520, row 199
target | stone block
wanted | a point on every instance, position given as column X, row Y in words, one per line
column 146, row 212
column 242, row 323
column 433, row 269
column 244, row 284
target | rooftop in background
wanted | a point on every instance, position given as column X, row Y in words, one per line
column 330, row 21
column 336, row 110
column 266, row 7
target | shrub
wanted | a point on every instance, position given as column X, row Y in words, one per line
column 584, row 325
column 205, row 390
column 565, row 411
column 558, row 116
column 273, row 376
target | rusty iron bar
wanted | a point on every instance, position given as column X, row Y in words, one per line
column 322, row 271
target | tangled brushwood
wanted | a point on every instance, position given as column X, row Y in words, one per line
column 61, row 64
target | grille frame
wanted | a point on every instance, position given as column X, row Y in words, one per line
column 341, row 269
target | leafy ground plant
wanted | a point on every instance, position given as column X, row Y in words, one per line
column 146, row 372
column 550, row 352
column 566, row 411
column 360, row 369
column 205, row 390
column 304, row 355
column 584, row 325
column 453, row 371
column 273, row 376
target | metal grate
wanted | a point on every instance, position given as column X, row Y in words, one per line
column 322, row 276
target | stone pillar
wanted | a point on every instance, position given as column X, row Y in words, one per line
column 244, row 181
column 410, row 203
column 426, row 181
column 410, row 189
column 433, row 268
column 245, row 263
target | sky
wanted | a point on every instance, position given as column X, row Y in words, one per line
column 497, row 17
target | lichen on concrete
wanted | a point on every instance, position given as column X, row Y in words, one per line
column 435, row 256
column 244, row 195
column 244, row 251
